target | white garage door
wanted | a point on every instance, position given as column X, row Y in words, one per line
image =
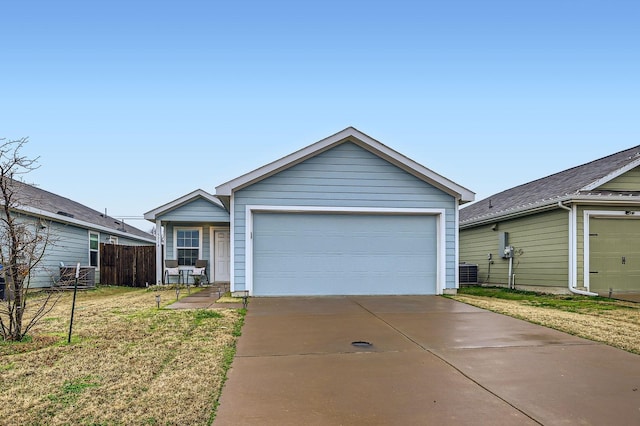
column 343, row 254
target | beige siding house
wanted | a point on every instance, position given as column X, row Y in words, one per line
column 574, row 231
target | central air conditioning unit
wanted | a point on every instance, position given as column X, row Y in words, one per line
column 468, row 273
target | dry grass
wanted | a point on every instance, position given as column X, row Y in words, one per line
column 614, row 323
column 129, row 363
column 229, row 299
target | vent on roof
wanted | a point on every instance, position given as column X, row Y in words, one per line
column 61, row 213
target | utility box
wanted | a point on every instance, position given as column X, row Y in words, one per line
column 503, row 243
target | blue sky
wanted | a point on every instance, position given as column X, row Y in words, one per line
column 131, row 104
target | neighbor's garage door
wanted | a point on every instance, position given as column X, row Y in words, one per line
column 614, row 255
column 343, row 254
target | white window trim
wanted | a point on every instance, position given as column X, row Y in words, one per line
column 606, row 214
column 97, row 251
column 175, row 242
column 441, row 231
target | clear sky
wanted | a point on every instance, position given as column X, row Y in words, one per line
column 132, row 104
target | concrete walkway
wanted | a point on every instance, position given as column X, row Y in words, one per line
column 432, row 361
column 203, row 299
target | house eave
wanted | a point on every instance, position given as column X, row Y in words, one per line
column 509, row 214
column 461, row 193
column 550, row 204
column 81, row 223
column 609, row 177
column 152, row 215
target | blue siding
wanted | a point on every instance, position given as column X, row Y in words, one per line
column 198, row 213
column 69, row 244
column 344, row 176
column 104, row 238
column 198, row 210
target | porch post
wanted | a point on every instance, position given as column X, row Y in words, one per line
column 159, row 260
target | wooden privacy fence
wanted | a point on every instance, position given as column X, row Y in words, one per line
column 131, row 266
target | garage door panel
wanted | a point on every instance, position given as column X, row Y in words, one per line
column 314, row 254
column 611, row 241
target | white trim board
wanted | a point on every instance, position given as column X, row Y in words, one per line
column 194, row 195
column 82, row 223
column 364, row 141
column 232, row 244
column 441, row 232
column 612, row 175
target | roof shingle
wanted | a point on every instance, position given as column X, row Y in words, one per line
column 551, row 189
column 36, row 198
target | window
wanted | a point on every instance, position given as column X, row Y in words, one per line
column 94, row 247
column 188, row 246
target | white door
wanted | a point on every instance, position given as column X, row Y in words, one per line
column 222, row 257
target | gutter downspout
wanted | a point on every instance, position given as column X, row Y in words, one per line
column 511, row 286
column 572, row 254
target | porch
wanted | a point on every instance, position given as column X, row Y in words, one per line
column 192, row 240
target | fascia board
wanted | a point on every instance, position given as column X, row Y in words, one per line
column 416, row 169
column 509, row 214
column 612, row 200
column 365, row 142
column 274, row 167
column 81, row 223
column 153, row 214
column 612, row 175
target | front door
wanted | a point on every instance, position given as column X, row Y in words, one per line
column 222, row 256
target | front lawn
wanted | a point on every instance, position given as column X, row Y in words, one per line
column 614, row 322
column 129, row 363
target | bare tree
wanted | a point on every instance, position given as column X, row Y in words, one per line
column 23, row 241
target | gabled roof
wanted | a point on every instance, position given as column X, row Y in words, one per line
column 575, row 184
column 198, row 193
column 355, row 136
column 50, row 206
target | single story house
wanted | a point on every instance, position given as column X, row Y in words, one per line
column 574, row 231
column 74, row 232
column 346, row 215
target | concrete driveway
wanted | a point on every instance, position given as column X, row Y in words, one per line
column 431, row 361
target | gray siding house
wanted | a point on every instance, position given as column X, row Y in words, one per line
column 344, row 216
column 75, row 232
column 574, row 231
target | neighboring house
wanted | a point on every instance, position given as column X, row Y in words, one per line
column 75, row 232
column 344, row 216
column 577, row 230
